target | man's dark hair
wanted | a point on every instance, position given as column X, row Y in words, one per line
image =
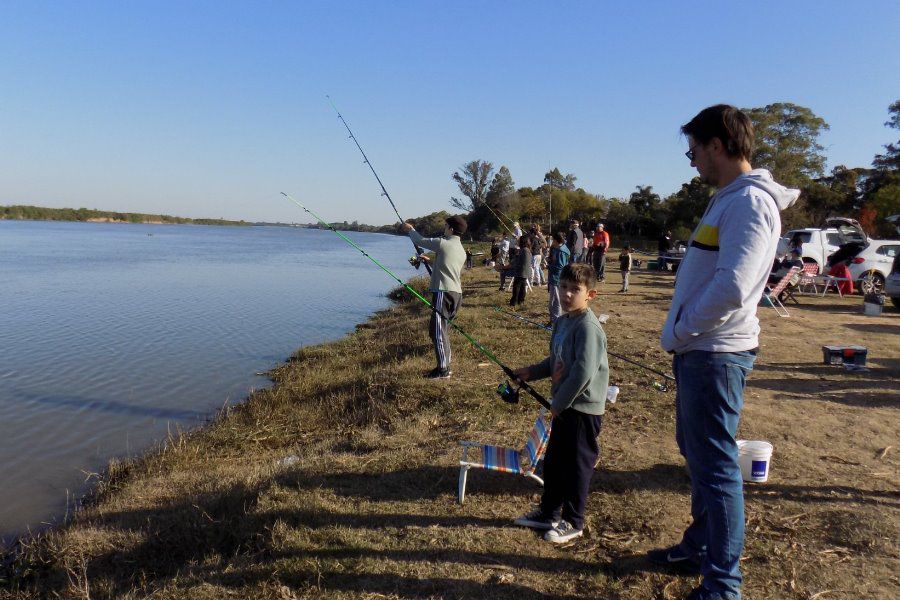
column 580, row 273
column 731, row 125
column 559, row 237
column 457, row 224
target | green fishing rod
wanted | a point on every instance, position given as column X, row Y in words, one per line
column 613, row 354
column 478, row 345
column 384, row 191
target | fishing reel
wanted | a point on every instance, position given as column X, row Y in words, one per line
column 509, row 393
column 416, row 261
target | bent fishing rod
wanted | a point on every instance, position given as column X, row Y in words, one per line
column 384, row 191
column 613, row 354
column 480, row 347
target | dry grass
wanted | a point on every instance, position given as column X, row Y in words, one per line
column 340, row 480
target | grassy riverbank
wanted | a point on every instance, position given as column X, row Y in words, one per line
column 340, row 481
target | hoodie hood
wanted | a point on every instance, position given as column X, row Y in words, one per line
column 761, row 178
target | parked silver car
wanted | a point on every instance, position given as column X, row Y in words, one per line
column 892, row 283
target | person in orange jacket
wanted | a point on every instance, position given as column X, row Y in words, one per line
column 601, row 246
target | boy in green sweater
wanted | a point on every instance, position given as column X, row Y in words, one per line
column 579, row 369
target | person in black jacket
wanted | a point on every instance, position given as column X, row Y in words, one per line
column 522, row 272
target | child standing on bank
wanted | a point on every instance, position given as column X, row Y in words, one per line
column 579, row 369
column 625, row 267
column 559, row 258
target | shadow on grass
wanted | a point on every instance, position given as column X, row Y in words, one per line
column 826, row 494
column 204, row 532
column 854, row 391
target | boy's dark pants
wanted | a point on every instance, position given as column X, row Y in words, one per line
column 446, row 304
column 518, row 291
column 569, row 464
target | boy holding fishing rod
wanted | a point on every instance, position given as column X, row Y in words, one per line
column 445, row 287
column 579, row 369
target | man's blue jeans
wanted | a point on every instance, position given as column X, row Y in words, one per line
column 707, row 411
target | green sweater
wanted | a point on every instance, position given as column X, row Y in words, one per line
column 448, row 262
column 577, row 364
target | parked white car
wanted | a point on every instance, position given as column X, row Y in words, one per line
column 869, row 267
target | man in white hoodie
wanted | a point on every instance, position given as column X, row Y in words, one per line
column 713, row 332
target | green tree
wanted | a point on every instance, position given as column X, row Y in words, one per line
column 492, row 215
column 560, row 181
column 686, row 206
column 890, row 160
column 473, row 179
column 621, row 217
column 787, row 142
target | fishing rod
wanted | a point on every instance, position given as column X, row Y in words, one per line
column 613, row 354
column 384, row 191
column 498, row 217
column 490, row 355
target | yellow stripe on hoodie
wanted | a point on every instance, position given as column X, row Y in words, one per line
column 707, row 238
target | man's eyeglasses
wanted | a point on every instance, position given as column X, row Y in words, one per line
column 690, row 153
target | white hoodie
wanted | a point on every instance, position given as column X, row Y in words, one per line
column 726, row 266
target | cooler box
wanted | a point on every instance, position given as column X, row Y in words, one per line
column 838, row 355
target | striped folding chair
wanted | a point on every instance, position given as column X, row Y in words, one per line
column 773, row 296
column 507, row 460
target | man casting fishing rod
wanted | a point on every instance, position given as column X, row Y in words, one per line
column 445, row 287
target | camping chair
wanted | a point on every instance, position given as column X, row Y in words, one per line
column 808, row 276
column 772, row 296
column 508, row 460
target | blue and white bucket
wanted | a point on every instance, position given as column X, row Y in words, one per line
column 754, row 458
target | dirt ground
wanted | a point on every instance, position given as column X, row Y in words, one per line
column 341, row 481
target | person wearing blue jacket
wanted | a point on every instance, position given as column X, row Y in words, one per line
column 713, row 332
column 559, row 258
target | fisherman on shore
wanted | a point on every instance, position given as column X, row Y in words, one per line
column 713, row 332
column 445, row 287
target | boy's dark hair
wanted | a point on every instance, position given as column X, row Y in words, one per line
column 580, row 273
column 559, row 237
column 457, row 224
column 728, row 123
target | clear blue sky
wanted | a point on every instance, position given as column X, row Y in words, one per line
column 210, row 109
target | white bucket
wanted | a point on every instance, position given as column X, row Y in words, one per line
column 754, row 458
column 612, row 392
column 871, row 309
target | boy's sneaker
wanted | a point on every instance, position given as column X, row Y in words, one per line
column 536, row 520
column 562, row 533
column 437, row 373
column 676, row 558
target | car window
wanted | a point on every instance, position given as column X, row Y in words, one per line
column 889, row 250
column 850, row 234
column 805, row 236
column 833, row 239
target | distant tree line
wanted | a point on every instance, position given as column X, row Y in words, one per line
column 37, row 213
column 786, row 143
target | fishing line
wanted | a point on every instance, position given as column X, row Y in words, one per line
column 490, row 355
column 384, row 191
column 613, row 354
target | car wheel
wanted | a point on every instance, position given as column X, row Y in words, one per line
column 871, row 283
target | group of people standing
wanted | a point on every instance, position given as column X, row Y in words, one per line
column 712, row 333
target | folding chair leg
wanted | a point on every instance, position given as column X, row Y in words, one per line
column 777, row 303
column 463, row 475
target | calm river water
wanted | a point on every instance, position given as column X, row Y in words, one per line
column 113, row 334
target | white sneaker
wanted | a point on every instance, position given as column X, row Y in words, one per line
column 562, row 533
column 536, row 520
